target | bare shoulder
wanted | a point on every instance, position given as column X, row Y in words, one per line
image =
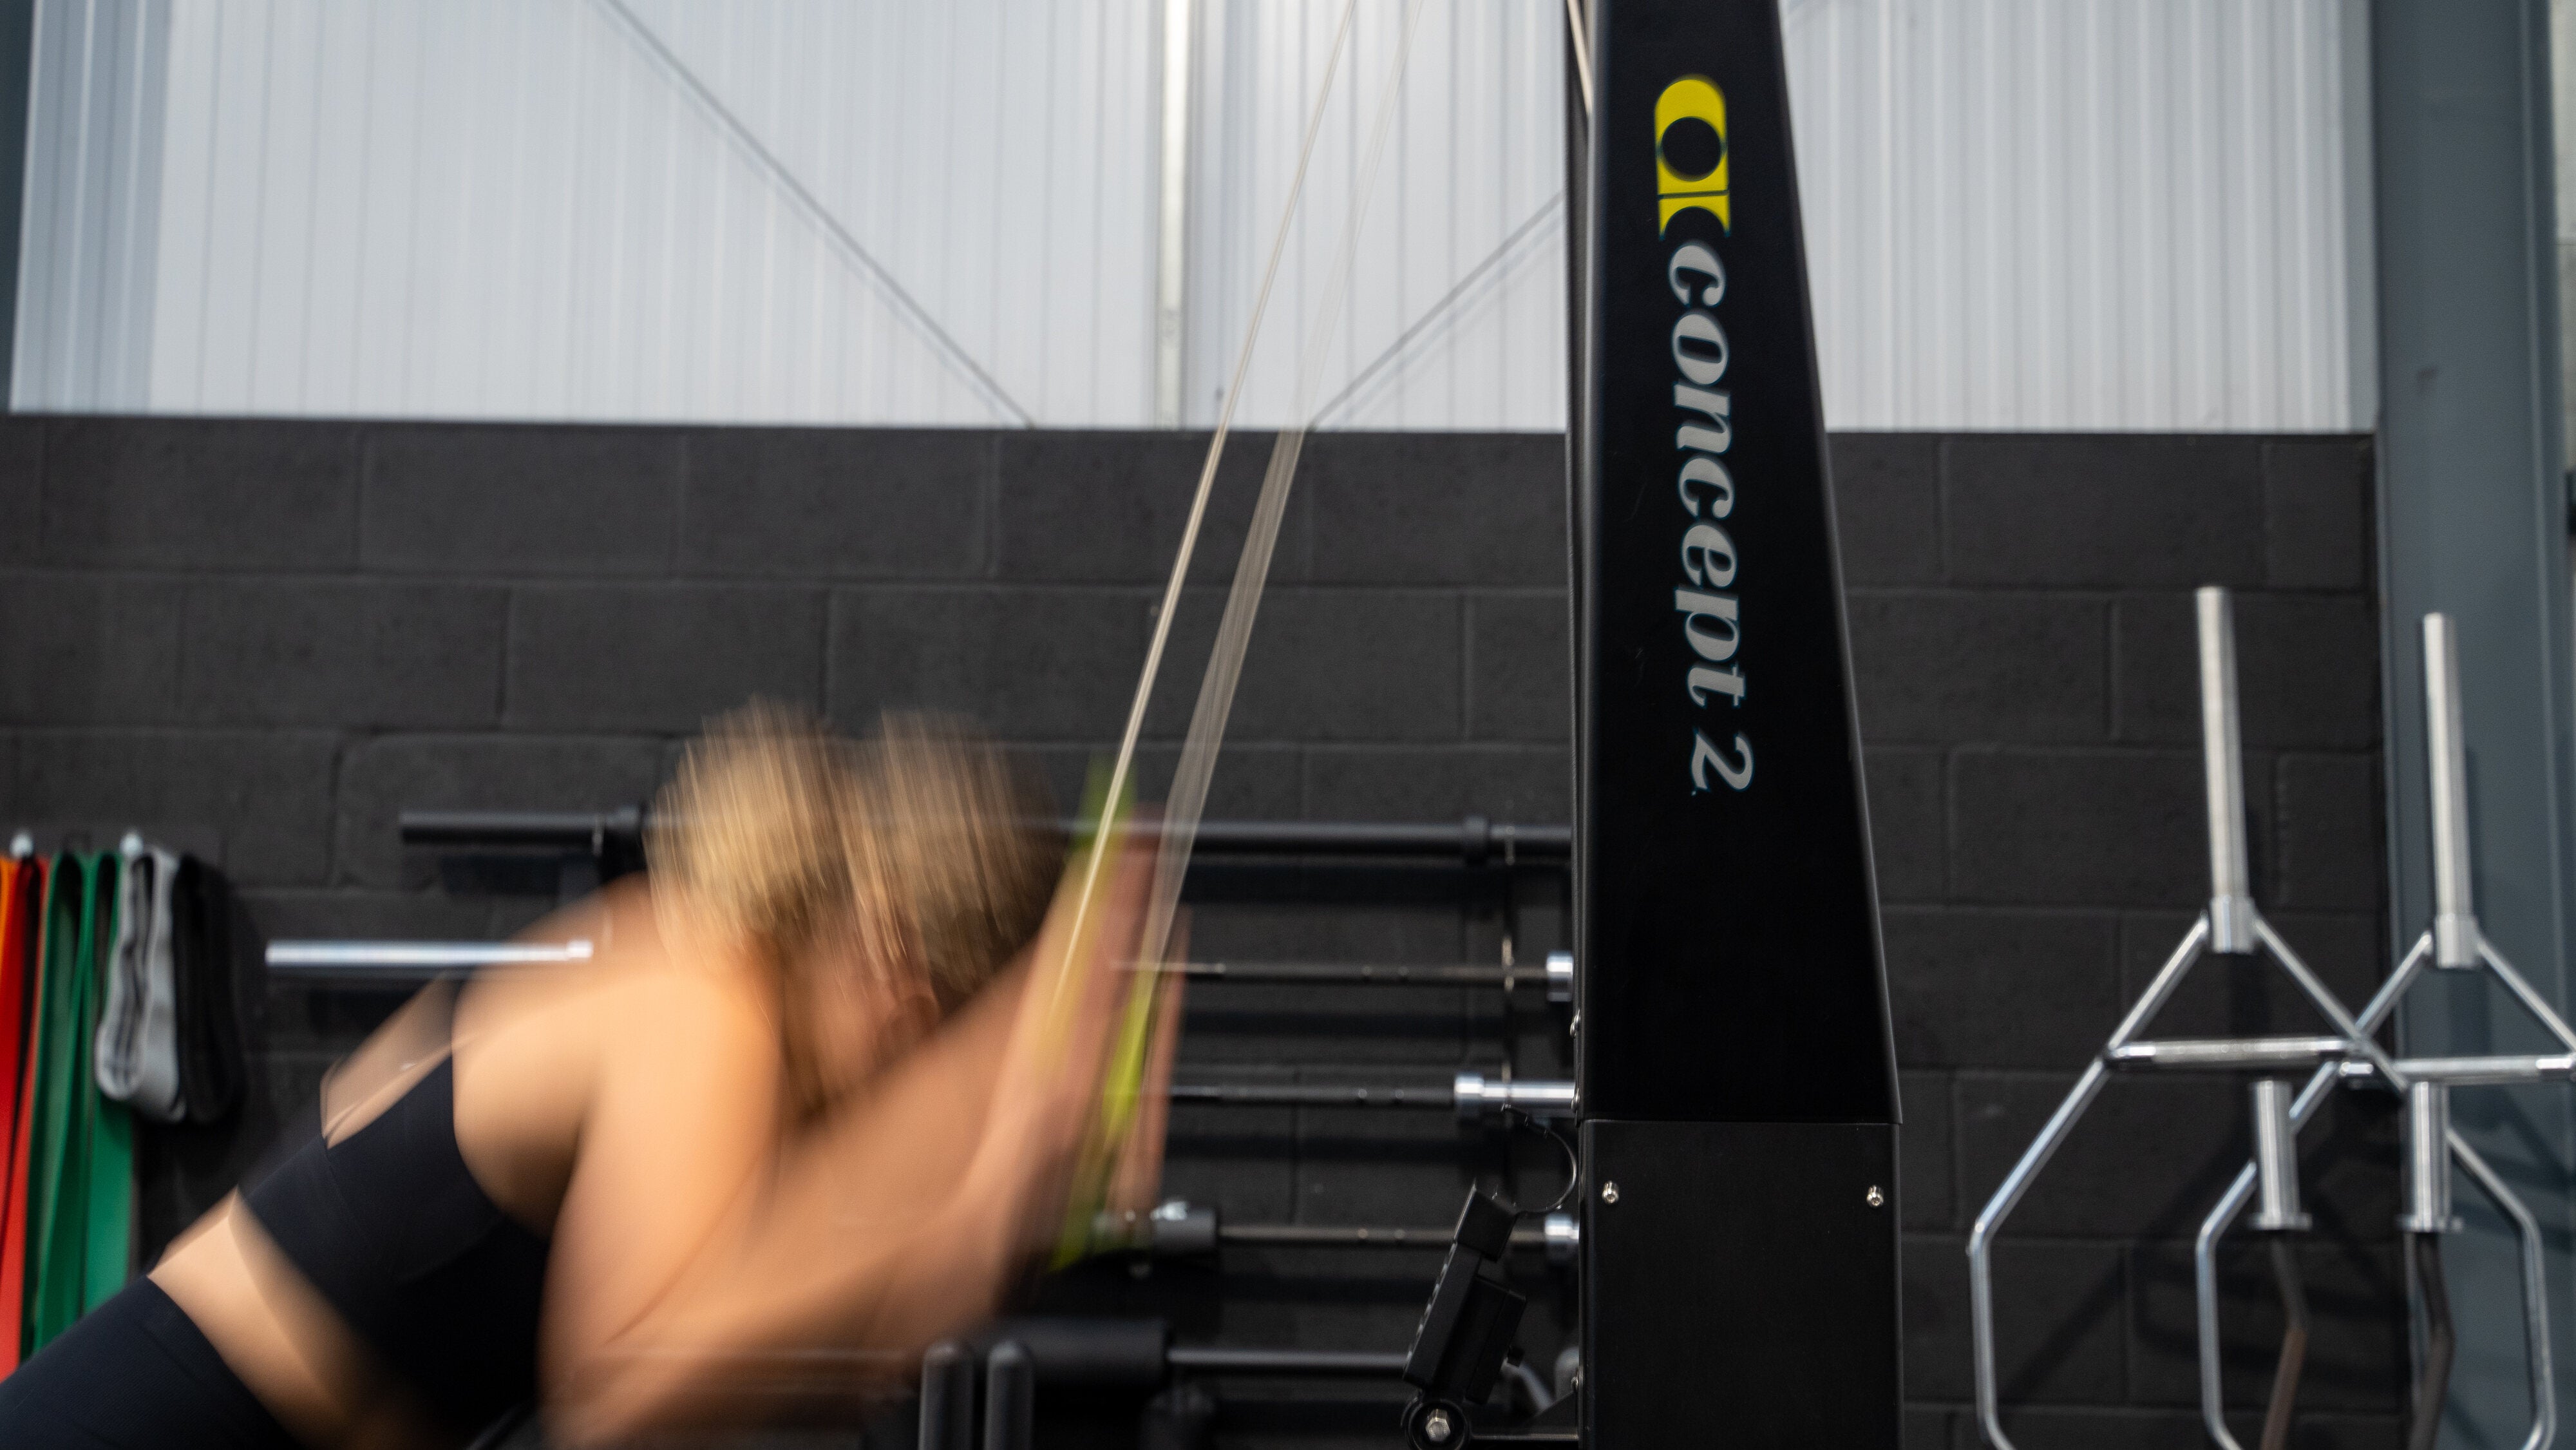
column 508, row 1023
column 635, row 977
column 541, row 1054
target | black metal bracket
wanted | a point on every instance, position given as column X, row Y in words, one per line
column 1431, row 1424
column 1467, row 1327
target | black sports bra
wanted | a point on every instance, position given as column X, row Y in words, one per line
column 390, row 1226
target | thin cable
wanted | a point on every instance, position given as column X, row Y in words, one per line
column 1573, row 1164
column 1124, row 765
column 1581, row 33
column 1197, row 766
column 822, row 217
column 1436, row 310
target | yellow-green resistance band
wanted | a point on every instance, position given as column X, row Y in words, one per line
column 1097, row 1162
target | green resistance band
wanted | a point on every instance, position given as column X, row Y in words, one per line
column 81, row 1154
column 108, row 1201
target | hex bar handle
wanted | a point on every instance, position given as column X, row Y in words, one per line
column 2204, row 1253
column 2503, row 1071
column 2451, row 1071
column 2454, row 941
column 2535, row 1293
column 2008, row 1194
column 2229, row 1054
column 2354, row 1039
column 2455, row 912
column 2232, row 925
column 2427, row 1179
column 2532, row 1002
column 2231, row 881
column 2276, row 1159
column 2355, row 1035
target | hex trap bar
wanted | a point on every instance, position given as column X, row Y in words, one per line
column 2231, row 924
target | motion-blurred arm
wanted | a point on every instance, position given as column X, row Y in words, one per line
column 894, row 1221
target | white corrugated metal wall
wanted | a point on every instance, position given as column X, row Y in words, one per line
column 2085, row 214
column 2130, row 214
column 91, row 239
column 1469, row 190
column 588, row 209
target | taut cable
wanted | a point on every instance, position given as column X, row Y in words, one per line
column 1125, row 763
column 1197, row 764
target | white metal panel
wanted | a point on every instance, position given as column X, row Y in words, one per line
column 2124, row 214
column 92, row 201
column 1475, row 156
column 525, row 209
column 2081, row 214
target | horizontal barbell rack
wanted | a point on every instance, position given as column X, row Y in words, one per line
column 1473, row 840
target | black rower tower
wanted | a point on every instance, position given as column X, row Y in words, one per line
column 1737, row 1074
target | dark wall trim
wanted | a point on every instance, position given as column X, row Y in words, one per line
column 17, row 60
column 2473, row 523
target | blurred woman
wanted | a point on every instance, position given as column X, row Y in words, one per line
column 817, row 1087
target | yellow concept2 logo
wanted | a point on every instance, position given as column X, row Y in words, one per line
column 1686, row 114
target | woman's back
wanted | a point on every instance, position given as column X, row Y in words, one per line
column 389, row 1226
column 412, row 1240
column 817, row 1087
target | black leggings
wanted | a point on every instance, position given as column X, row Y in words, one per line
column 134, row 1374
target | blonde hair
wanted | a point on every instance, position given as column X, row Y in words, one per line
column 925, row 844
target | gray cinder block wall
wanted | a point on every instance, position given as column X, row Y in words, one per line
column 269, row 637
column 2025, row 649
